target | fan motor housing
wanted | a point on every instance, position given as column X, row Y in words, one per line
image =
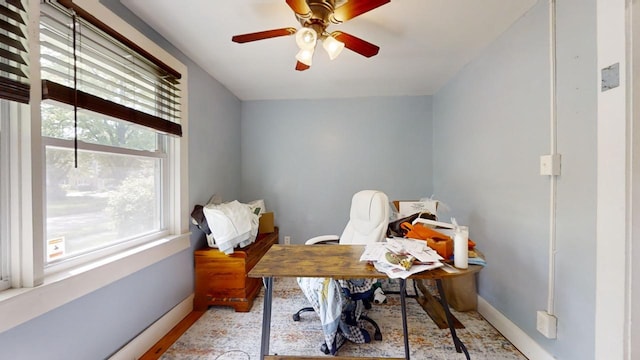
column 321, row 14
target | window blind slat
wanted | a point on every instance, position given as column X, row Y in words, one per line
column 12, row 70
column 4, row 39
column 14, row 29
column 12, row 56
column 17, row 4
column 14, row 15
column 14, row 90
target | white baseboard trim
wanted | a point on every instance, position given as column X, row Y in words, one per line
column 151, row 335
column 513, row 333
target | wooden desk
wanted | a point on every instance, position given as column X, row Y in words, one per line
column 338, row 262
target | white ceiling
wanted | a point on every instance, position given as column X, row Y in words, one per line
column 423, row 43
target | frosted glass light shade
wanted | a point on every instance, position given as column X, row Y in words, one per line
column 332, row 46
column 305, row 56
column 306, row 38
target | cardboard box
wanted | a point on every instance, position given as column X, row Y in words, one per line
column 266, row 223
column 409, row 207
column 461, row 292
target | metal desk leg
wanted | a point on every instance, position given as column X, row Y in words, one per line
column 266, row 316
column 456, row 341
column 403, row 303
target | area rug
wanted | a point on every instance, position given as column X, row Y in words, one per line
column 222, row 334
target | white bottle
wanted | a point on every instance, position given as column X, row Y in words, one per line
column 461, row 247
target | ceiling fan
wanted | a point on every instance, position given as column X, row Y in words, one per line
column 315, row 16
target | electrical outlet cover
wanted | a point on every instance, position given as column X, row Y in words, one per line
column 546, row 324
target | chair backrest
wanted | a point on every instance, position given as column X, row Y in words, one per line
column 369, row 218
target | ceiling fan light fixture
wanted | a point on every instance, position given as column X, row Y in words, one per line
column 305, row 56
column 332, row 46
column 306, row 38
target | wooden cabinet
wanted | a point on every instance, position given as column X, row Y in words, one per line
column 222, row 279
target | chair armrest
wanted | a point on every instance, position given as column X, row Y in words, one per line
column 323, row 239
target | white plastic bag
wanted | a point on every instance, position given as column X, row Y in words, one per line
column 232, row 224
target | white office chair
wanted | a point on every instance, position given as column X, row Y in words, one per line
column 368, row 221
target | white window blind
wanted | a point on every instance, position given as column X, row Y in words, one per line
column 14, row 79
column 85, row 66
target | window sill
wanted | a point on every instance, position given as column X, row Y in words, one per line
column 18, row 306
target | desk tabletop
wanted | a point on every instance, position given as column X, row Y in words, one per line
column 335, row 261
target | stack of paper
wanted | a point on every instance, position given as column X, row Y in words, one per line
column 399, row 257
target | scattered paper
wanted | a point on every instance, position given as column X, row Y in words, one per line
column 374, row 251
column 397, row 273
column 425, row 257
column 417, row 248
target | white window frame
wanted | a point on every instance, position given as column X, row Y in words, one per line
column 29, row 279
column 4, row 197
column 5, row 229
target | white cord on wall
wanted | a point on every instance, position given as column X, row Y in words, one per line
column 553, row 124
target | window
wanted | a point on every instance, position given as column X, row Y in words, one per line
column 14, row 87
column 117, row 109
column 105, row 118
column 116, row 192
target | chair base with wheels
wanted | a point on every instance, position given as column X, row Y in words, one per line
column 377, row 333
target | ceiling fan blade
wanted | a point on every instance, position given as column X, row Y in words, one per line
column 356, row 44
column 263, row 35
column 299, row 7
column 355, row 8
column 301, row 67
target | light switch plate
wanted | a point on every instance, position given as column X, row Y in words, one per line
column 550, row 164
column 610, row 77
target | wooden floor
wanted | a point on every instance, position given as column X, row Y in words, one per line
column 161, row 346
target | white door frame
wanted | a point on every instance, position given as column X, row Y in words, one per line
column 633, row 272
column 614, row 183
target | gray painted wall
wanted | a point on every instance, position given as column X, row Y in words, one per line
column 492, row 124
column 307, row 158
column 97, row 325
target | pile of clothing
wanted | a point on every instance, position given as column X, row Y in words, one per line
column 336, row 302
column 230, row 224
